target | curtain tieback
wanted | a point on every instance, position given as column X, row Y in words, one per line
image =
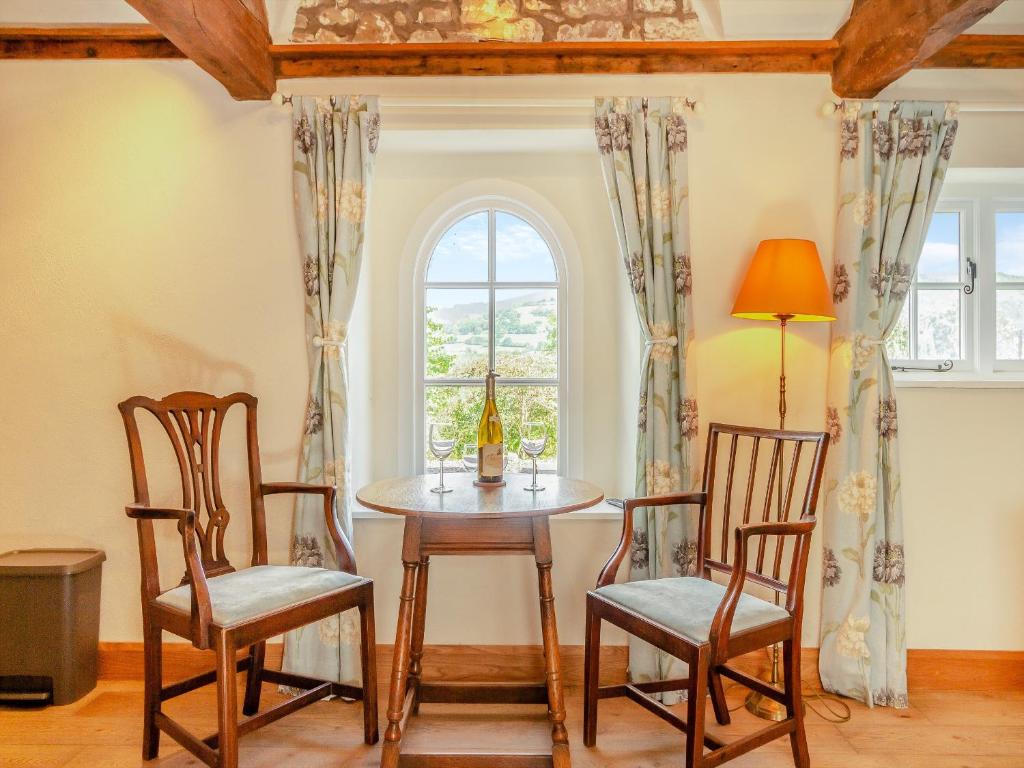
column 320, row 341
column 670, row 340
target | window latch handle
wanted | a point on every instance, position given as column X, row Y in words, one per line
column 972, row 274
column 943, row 367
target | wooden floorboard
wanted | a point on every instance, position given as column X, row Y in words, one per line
column 941, row 729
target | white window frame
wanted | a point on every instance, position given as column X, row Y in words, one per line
column 539, row 213
column 977, row 195
column 999, row 204
column 965, row 208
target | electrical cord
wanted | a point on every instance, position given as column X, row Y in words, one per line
column 835, row 714
column 837, row 710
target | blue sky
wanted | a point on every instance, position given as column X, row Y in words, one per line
column 941, row 254
column 1010, row 243
column 941, row 251
column 521, row 253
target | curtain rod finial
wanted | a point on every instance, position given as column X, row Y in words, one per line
column 830, row 107
column 280, row 99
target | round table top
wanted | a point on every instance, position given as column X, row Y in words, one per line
column 412, row 496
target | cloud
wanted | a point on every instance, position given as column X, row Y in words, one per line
column 461, row 254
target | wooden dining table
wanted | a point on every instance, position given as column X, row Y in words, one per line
column 471, row 520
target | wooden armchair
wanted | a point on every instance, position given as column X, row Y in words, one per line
column 218, row 607
column 705, row 623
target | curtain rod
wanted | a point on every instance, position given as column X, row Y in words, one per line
column 831, row 107
column 401, row 102
column 991, row 106
column 587, row 104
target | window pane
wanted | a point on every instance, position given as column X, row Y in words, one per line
column 521, row 255
column 461, row 254
column 517, row 405
column 940, row 258
column 461, row 406
column 526, row 333
column 897, row 345
column 456, row 331
column 1010, row 325
column 1010, row 246
column 938, row 325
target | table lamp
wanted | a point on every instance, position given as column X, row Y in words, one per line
column 784, row 283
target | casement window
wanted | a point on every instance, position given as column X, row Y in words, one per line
column 491, row 296
column 963, row 319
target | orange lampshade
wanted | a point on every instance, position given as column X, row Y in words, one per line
column 785, row 278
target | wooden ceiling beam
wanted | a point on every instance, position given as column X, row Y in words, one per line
column 885, row 39
column 142, row 41
column 114, row 41
column 227, row 38
column 487, row 58
column 980, row 52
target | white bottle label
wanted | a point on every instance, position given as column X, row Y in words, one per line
column 492, row 460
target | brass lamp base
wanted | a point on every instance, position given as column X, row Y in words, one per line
column 765, row 708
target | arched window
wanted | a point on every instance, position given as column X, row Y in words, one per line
column 492, row 297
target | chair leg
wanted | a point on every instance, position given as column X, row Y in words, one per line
column 153, row 676
column 695, row 705
column 795, row 703
column 227, row 703
column 368, row 655
column 718, row 697
column 591, row 676
column 254, row 678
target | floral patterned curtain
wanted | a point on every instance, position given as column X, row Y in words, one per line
column 333, row 145
column 643, row 150
column 893, row 160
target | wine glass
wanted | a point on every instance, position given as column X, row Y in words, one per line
column 470, row 460
column 442, row 443
column 534, row 441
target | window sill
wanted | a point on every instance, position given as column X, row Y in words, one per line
column 1008, row 380
column 602, row 511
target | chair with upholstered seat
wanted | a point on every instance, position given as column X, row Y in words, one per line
column 218, row 607
column 703, row 622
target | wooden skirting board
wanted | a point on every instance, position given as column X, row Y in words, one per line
column 933, row 670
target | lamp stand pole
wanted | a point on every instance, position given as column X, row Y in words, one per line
column 756, row 703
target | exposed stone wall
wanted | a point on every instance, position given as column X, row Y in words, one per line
column 531, row 21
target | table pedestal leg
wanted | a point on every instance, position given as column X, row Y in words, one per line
column 552, row 660
column 400, row 667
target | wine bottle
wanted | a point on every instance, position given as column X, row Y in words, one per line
column 490, row 440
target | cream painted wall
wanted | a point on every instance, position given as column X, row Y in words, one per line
column 147, row 244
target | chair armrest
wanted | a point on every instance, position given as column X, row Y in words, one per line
column 202, row 613
column 666, row 499
column 342, row 547
column 146, row 512
column 611, row 568
column 721, row 625
column 270, row 488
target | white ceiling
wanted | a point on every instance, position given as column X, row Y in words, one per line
column 728, row 19
column 816, row 19
column 26, row 12
column 280, row 13
column 783, row 19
